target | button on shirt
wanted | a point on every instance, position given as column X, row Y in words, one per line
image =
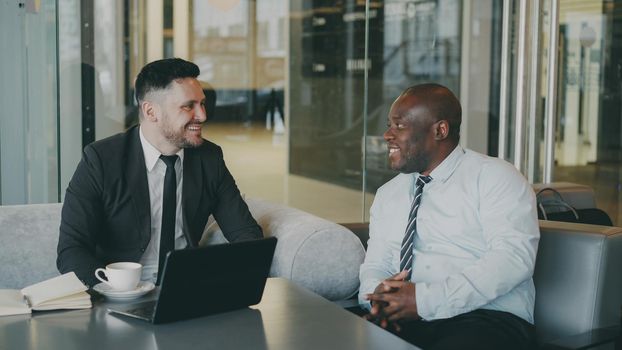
column 156, row 169
column 476, row 243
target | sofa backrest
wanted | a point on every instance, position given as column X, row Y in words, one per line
column 28, row 240
column 312, row 252
column 578, row 278
column 578, row 196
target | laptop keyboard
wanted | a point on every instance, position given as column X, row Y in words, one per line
column 144, row 311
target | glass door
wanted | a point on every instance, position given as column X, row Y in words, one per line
column 588, row 124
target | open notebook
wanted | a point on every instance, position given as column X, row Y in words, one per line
column 62, row 292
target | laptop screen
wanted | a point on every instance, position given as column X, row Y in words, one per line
column 212, row 279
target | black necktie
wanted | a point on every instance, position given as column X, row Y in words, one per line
column 406, row 253
column 169, row 204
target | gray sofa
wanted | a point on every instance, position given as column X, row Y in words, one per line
column 312, row 252
column 577, row 275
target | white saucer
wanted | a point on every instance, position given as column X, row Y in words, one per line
column 142, row 289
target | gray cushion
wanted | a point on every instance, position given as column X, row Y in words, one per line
column 28, row 237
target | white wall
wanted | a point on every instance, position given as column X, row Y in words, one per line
column 181, row 29
column 154, row 30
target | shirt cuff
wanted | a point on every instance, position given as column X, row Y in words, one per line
column 424, row 297
column 367, row 287
column 365, row 304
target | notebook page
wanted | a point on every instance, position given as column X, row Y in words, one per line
column 12, row 303
column 80, row 300
column 54, row 288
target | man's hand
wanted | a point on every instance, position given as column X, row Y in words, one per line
column 383, row 288
column 377, row 314
column 397, row 303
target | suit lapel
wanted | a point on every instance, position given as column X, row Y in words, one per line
column 138, row 186
column 192, row 189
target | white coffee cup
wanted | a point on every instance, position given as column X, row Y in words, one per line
column 122, row 276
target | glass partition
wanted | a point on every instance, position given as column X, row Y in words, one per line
column 302, row 97
column 412, row 45
column 290, row 79
column 28, row 96
column 454, row 43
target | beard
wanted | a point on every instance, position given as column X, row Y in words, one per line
column 179, row 138
column 417, row 162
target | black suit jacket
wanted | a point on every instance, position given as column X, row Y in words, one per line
column 106, row 215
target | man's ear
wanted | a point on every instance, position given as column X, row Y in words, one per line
column 442, row 130
column 150, row 110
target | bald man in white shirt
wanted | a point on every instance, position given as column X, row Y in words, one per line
column 453, row 237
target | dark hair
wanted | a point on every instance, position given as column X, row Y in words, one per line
column 157, row 75
column 442, row 104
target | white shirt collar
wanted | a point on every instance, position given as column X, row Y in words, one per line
column 151, row 153
column 444, row 170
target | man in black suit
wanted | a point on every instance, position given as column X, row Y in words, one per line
column 117, row 207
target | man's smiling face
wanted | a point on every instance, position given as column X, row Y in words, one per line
column 410, row 135
column 183, row 113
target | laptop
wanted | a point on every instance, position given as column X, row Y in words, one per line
column 208, row 280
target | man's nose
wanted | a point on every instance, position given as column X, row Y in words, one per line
column 200, row 114
column 388, row 135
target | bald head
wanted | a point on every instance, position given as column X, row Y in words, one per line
column 440, row 103
column 423, row 128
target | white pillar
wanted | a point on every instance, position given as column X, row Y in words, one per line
column 155, row 30
column 181, row 29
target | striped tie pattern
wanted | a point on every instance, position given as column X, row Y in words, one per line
column 406, row 253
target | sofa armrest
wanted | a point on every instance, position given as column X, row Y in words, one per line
column 314, row 253
column 360, row 229
column 577, row 279
column 587, row 340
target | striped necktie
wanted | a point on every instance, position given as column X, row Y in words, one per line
column 406, row 253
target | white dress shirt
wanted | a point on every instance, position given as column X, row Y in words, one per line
column 476, row 242
column 156, row 169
